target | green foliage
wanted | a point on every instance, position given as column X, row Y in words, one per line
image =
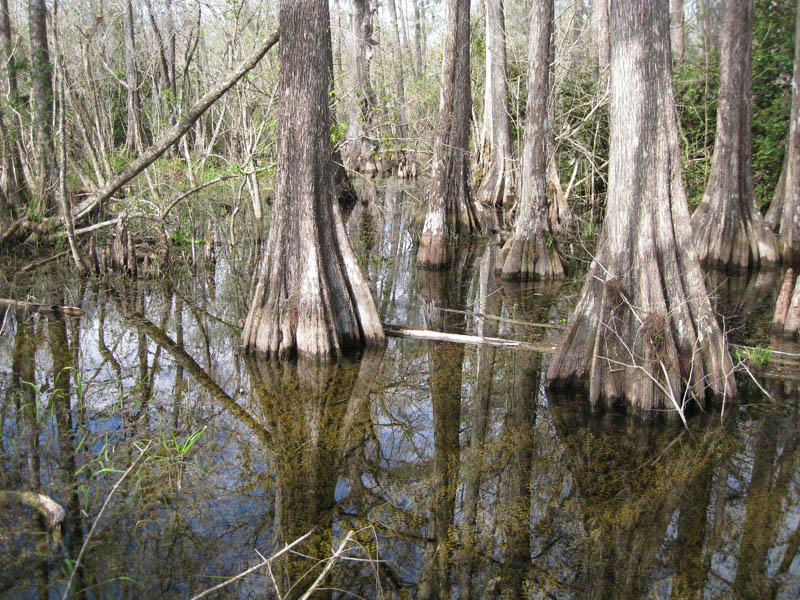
column 756, row 356
column 338, row 133
column 696, row 83
column 773, row 53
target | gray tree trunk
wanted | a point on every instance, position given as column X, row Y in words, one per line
column 399, row 85
column 729, row 230
column 496, row 154
column 643, row 328
column 600, row 43
column 531, row 251
column 451, row 208
column 133, row 138
column 676, row 29
column 310, row 296
column 42, row 102
column 788, row 217
column 419, row 39
column 359, row 144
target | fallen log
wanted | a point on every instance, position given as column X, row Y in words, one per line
column 72, row 311
column 459, row 338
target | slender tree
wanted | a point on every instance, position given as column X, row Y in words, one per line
column 600, row 44
column 310, row 296
column 787, row 215
column 676, row 29
column 643, row 328
column 15, row 184
column 451, row 208
column 42, row 102
column 729, row 230
column 359, row 144
column 399, row 85
column 530, row 252
column 133, row 140
column 495, row 159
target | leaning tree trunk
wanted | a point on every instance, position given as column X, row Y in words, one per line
column 451, row 208
column 531, row 252
column 42, row 102
column 643, row 328
column 496, row 161
column 310, row 296
column 787, row 215
column 729, row 230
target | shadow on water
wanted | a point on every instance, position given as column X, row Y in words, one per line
column 429, row 469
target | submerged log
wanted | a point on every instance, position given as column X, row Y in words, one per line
column 52, row 512
column 72, row 311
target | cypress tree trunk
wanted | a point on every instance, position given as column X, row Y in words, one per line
column 497, row 185
column 729, row 230
column 531, row 252
column 358, row 146
column 643, row 325
column 676, row 29
column 310, row 296
column 451, row 208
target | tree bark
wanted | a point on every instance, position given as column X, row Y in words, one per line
column 42, row 101
column 496, row 160
column 399, row 85
column 310, row 296
column 676, row 30
column 729, row 230
column 133, row 139
column 451, row 208
column 788, row 218
column 643, row 328
column 600, row 46
column 531, row 251
column 418, row 35
column 359, row 144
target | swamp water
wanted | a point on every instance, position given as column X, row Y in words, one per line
column 425, row 470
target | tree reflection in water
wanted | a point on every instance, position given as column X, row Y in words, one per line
column 472, row 480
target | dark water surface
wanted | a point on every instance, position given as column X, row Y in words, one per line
column 429, row 469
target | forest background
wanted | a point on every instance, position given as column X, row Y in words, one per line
column 90, row 86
